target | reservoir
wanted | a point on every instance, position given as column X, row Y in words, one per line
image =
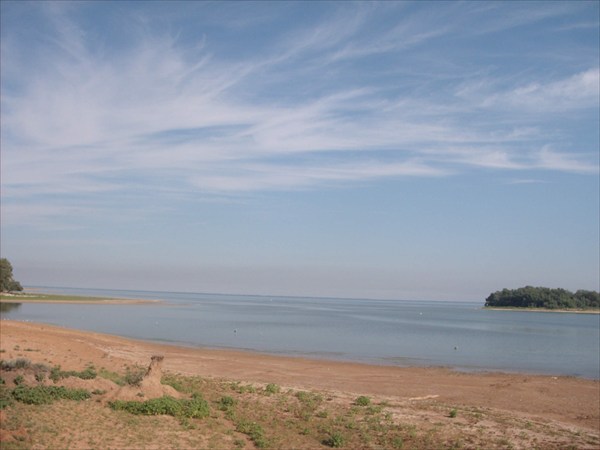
column 459, row 335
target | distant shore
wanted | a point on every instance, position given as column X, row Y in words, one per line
column 35, row 297
column 572, row 311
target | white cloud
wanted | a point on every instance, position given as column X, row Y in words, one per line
column 553, row 160
column 581, row 90
column 95, row 121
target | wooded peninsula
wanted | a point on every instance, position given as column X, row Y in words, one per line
column 544, row 298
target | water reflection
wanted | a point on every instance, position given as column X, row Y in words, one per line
column 6, row 307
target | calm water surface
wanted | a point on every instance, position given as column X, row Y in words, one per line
column 403, row 333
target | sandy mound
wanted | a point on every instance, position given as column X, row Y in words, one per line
column 149, row 387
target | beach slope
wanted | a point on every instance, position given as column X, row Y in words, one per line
column 494, row 407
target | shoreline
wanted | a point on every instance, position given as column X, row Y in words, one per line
column 565, row 399
column 28, row 297
column 514, row 308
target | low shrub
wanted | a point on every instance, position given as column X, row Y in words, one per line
column 5, row 397
column 254, row 431
column 362, row 401
column 309, row 398
column 56, row 374
column 226, row 403
column 453, row 413
column 43, row 395
column 134, row 376
column 196, row 407
column 335, row 440
column 14, row 364
column 272, row 388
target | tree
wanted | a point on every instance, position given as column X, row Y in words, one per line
column 7, row 282
column 543, row 297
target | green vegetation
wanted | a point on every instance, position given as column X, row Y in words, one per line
column 112, row 376
column 7, row 282
column 335, row 440
column 254, row 431
column 194, row 408
column 545, row 298
column 272, row 388
column 363, row 401
column 88, row 374
column 43, row 395
column 225, row 414
column 226, row 403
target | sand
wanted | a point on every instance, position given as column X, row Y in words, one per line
column 569, row 401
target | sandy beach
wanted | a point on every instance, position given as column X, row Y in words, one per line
column 567, row 402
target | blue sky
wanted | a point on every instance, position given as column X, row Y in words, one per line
column 381, row 150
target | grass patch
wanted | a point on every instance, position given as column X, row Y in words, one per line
column 44, row 395
column 254, row 431
column 335, row 440
column 272, row 389
column 6, row 399
column 194, row 408
column 362, row 401
column 226, row 403
column 112, row 376
column 56, row 374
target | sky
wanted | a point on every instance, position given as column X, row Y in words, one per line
column 394, row 150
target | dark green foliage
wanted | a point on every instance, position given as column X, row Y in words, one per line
column 453, row 413
column 19, row 379
column 541, row 297
column 196, row 407
column 363, row 401
column 7, row 282
column 226, row 403
column 335, row 440
column 43, row 395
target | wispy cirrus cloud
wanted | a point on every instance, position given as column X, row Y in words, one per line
column 88, row 119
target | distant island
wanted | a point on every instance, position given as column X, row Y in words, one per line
column 544, row 298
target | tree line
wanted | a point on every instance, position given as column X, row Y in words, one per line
column 7, row 282
column 543, row 297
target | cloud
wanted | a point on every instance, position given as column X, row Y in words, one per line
column 581, row 90
column 553, row 160
column 91, row 121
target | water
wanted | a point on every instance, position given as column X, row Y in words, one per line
column 404, row 333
